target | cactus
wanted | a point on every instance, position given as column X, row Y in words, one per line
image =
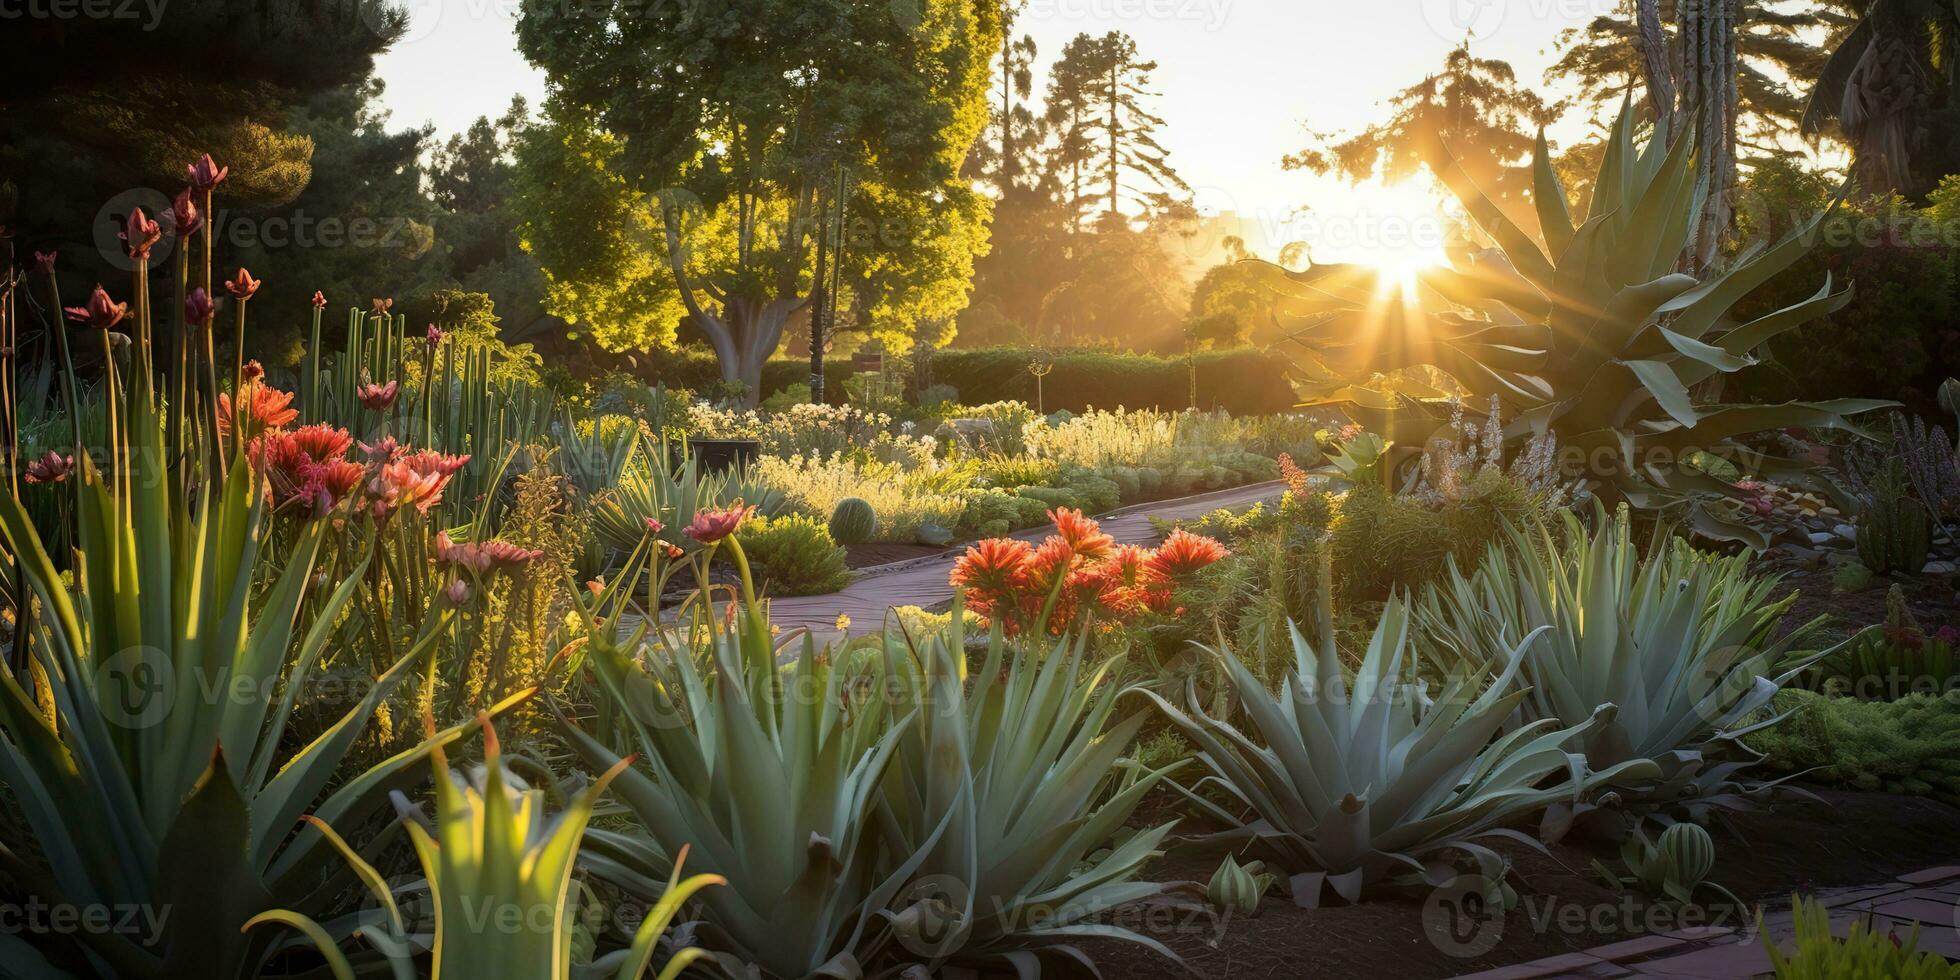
column 1672, row 870
column 1895, row 534
column 853, row 521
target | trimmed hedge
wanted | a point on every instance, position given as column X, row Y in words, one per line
column 1243, row 381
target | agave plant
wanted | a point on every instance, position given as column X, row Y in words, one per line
column 1009, row 786
column 1587, row 330
column 144, row 736
column 1370, row 781
column 1685, row 643
column 498, row 874
column 765, row 774
column 647, row 489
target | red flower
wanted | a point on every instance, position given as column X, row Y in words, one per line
column 384, row 449
column 253, row 372
column 242, row 285
column 383, row 305
column 434, row 335
column 185, row 219
column 51, row 468
column 44, row 261
column 458, row 592
column 1084, row 536
column 1049, row 564
column 265, row 408
column 140, row 233
column 378, row 397
column 710, row 526
column 198, row 308
column 100, row 313
column 206, row 174
column 319, row 300
column 308, row 464
column 992, row 568
column 1183, row 553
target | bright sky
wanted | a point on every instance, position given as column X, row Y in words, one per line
column 1242, row 83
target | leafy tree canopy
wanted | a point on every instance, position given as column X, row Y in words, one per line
column 704, row 140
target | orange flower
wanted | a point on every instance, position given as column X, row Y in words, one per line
column 1049, row 564
column 265, row 407
column 993, row 568
column 1294, row 477
column 1084, row 536
column 1183, row 553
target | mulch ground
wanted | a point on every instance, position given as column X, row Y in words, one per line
column 1848, row 839
column 1933, row 599
column 869, row 555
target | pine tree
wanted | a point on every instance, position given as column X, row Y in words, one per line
column 1105, row 133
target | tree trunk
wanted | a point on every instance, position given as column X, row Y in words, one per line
column 1708, row 96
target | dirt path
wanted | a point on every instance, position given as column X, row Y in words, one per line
column 922, row 582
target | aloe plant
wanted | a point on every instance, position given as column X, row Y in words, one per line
column 1009, row 783
column 144, row 738
column 498, row 873
column 1368, row 781
column 1587, row 330
column 1686, row 643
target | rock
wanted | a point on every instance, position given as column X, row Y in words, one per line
column 1821, row 538
column 1847, row 532
column 1938, row 568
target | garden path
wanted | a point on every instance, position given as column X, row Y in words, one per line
column 1928, row 900
column 923, row 581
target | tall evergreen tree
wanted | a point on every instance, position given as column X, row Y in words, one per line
column 1098, row 101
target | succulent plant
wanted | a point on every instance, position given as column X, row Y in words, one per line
column 1586, row 330
column 1686, row 643
column 497, row 876
column 853, row 521
column 1350, row 783
column 1672, row 870
column 1862, row 954
column 1895, row 536
column 1237, row 888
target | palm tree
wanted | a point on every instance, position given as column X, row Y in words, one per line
column 1889, row 89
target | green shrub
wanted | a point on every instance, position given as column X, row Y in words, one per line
column 1910, row 746
column 1894, row 534
column 796, row 556
column 1050, row 497
column 853, row 521
column 1864, row 954
column 1009, row 472
column 1384, row 541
